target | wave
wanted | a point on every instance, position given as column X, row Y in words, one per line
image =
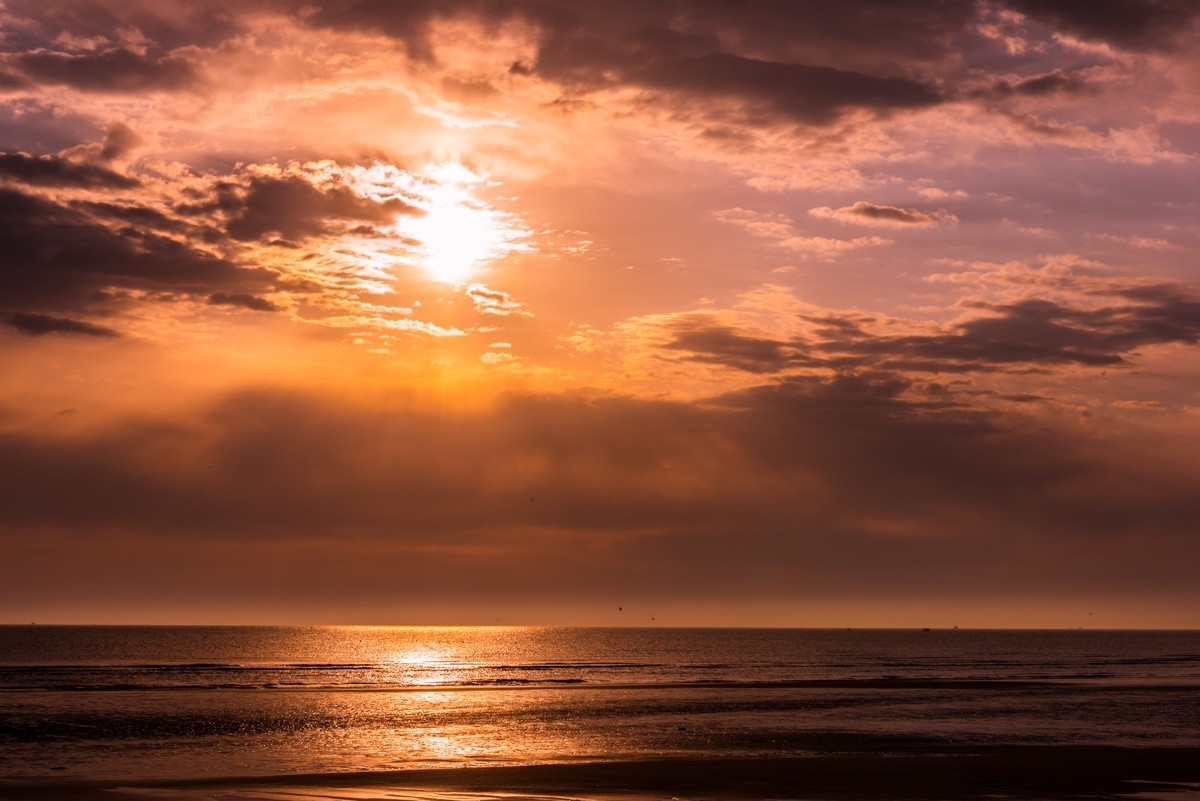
column 882, row 682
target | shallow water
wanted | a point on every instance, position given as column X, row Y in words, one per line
column 154, row 702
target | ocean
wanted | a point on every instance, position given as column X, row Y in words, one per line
column 135, row 704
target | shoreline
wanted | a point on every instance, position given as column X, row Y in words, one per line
column 1043, row 772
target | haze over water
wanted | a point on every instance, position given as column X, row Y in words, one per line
column 131, row 703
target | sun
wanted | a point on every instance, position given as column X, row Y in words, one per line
column 457, row 234
column 455, row 240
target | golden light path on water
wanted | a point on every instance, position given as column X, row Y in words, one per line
column 428, row 665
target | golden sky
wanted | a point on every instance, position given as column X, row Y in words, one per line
column 754, row 313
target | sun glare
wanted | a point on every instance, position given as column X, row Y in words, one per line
column 458, row 234
column 454, row 240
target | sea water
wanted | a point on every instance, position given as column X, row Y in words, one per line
column 102, row 702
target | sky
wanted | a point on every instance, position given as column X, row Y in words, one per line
column 872, row 313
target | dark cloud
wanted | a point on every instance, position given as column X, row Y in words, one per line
column 934, row 451
column 1028, row 334
column 678, row 47
column 1131, row 24
column 119, row 141
column 1034, row 332
column 1049, row 84
column 134, row 215
column 116, row 70
column 865, row 398
column 268, row 447
column 866, row 213
column 10, row 82
column 292, row 208
column 58, row 258
column 858, row 32
column 57, row 171
column 409, row 22
column 891, row 213
column 1054, row 84
column 168, row 25
column 39, row 324
column 712, row 343
column 1024, row 334
column 30, row 125
column 691, row 66
column 579, row 37
column 252, row 302
column 805, row 487
column 83, row 256
column 805, row 93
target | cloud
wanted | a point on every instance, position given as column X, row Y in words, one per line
column 769, row 225
column 704, row 340
column 59, row 258
column 10, row 82
column 779, row 227
column 119, row 142
column 684, row 51
column 105, row 25
column 809, row 94
column 1047, row 84
column 294, row 208
column 226, row 240
column 793, row 489
column 115, row 70
column 1145, row 242
column 140, row 216
column 864, row 213
column 937, row 193
column 863, row 31
column 494, row 301
column 1129, row 24
column 41, row 324
column 1026, row 333
column 1033, row 332
column 412, row 23
column 1042, row 321
column 55, row 171
column 828, row 248
column 252, row 302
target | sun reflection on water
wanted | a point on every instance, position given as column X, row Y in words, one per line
column 428, row 665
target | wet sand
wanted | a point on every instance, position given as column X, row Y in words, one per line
column 1015, row 773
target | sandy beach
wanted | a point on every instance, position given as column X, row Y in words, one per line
column 1018, row 773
